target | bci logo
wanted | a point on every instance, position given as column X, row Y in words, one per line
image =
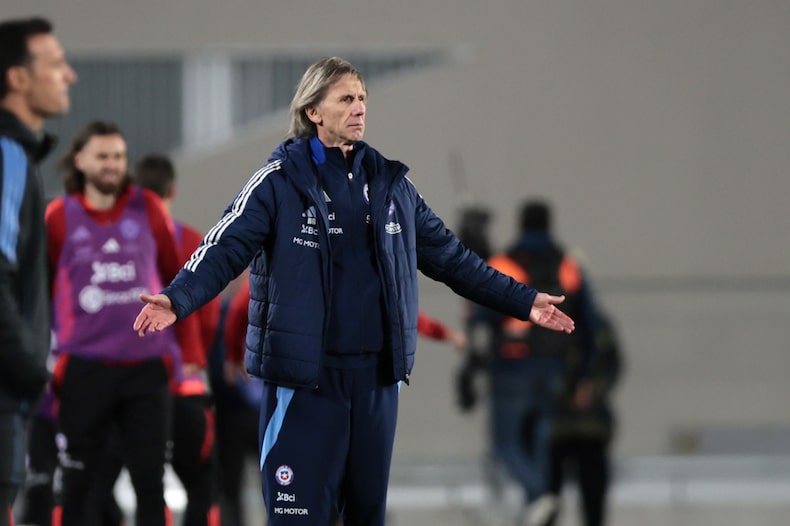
column 285, row 497
column 112, row 272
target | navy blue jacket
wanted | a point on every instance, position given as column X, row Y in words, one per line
column 278, row 224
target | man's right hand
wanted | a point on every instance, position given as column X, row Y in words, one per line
column 545, row 314
column 156, row 316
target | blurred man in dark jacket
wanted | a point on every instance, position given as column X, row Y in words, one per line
column 583, row 429
column 35, row 85
column 528, row 365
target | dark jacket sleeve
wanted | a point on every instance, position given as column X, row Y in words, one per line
column 227, row 248
column 441, row 256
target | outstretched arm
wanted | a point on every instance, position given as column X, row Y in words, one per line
column 545, row 314
column 157, row 314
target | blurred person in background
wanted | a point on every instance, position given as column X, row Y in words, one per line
column 38, row 505
column 473, row 230
column 473, row 233
column 193, row 418
column 238, row 405
column 528, row 365
column 436, row 330
column 109, row 240
column 335, row 234
column 584, row 427
column 35, row 86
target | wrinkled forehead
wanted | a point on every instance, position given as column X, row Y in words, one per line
column 349, row 82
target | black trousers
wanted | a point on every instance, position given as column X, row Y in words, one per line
column 588, row 462
column 194, row 458
column 237, row 442
column 12, row 461
column 38, row 498
column 97, row 399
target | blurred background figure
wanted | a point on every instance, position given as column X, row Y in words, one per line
column 436, row 330
column 585, row 426
column 39, row 503
column 109, row 241
column 238, row 398
column 34, row 85
column 473, row 229
column 528, row 367
column 37, row 499
column 193, row 454
column 473, row 232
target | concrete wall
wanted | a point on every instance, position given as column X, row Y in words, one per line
column 658, row 129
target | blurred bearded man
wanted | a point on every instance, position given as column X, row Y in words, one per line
column 108, row 241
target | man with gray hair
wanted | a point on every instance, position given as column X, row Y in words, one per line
column 334, row 234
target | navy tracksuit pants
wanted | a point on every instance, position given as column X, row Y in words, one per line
column 326, row 452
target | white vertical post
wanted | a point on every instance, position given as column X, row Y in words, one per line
column 207, row 115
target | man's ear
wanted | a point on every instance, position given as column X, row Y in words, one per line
column 18, row 78
column 77, row 159
column 313, row 114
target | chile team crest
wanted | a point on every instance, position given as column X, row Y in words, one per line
column 284, row 475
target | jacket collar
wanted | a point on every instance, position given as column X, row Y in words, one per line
column 297, row 158
column 11, row 126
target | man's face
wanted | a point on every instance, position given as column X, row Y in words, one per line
column 103, row 161
column 340, row 116
column 47, row 92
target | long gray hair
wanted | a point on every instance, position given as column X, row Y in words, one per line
column 312, row 90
